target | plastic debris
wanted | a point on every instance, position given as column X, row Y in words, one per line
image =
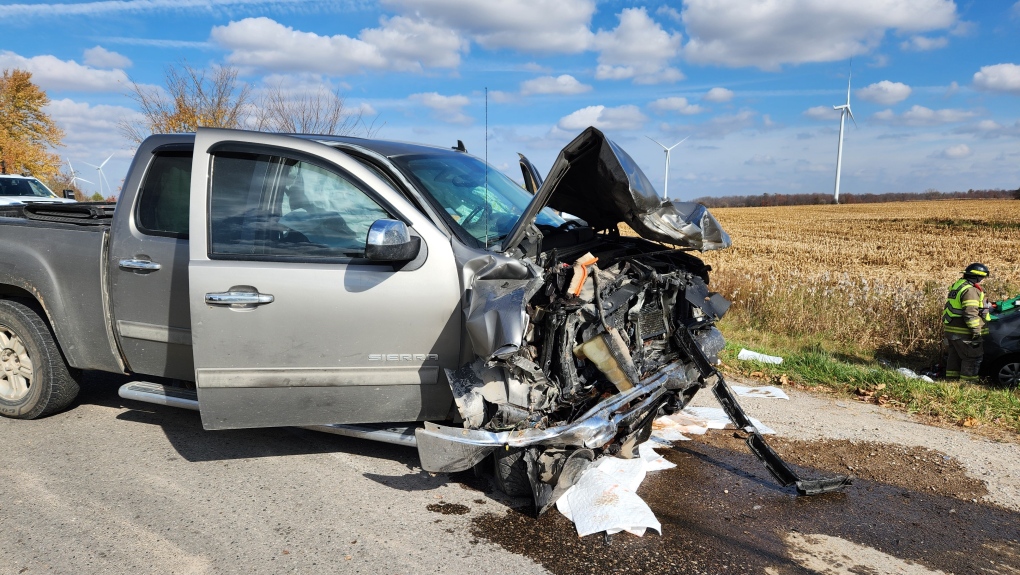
column 911, row 374
column 769, row 391
column 748, row 355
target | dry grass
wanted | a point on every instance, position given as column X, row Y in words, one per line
column 867, row 278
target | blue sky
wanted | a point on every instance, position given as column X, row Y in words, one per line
column 935, row 85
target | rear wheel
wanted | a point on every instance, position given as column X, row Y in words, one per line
column 34, row 379
column 1005, row 371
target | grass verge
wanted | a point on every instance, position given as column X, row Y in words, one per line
column 814, row 367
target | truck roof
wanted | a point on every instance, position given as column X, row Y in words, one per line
column 388, row 148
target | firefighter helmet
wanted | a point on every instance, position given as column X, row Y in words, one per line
column 976, row 272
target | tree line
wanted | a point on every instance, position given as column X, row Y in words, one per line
column 767, row 200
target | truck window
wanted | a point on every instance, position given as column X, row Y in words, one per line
column 165, row 196
column 265, row 205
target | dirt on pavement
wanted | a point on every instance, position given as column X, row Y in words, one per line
column 912, row 509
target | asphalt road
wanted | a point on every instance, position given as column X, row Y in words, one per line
column 117, row 486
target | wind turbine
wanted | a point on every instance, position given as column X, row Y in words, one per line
column 665, row 183
column 844, row 111
column 102, row 177
column 74, row 175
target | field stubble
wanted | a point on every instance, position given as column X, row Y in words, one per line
column 865, row 279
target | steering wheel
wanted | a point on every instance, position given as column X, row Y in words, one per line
column 454, row 177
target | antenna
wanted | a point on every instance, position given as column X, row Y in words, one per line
column 102, row 177
column 844, row 111
column 665, row 183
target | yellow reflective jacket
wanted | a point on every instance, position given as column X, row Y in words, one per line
column 964, row 313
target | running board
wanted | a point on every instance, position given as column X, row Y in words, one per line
column 188, row 399
column 160, row 394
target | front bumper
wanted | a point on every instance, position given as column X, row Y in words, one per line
column 445, row 449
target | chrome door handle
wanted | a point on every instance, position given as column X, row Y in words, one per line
column 144, row 265
column 238, row 298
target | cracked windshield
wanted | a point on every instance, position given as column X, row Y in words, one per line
column 458, row 184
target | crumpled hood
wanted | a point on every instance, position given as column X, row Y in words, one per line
column 595, row 180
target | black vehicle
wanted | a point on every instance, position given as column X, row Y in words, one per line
column 1001, row 363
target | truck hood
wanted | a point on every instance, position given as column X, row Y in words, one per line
column 595, row 180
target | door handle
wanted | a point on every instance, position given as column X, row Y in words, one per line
column 143, row 265
column 241, row 299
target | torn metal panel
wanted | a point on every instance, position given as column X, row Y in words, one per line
column 597, row 181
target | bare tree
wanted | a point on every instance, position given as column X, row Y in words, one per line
column 319, row 112
column 192, row 98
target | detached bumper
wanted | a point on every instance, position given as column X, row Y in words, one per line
column 445, row 449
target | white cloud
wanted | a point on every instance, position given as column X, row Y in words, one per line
column 564, row 84
column 100, row 57
column 769, row 34
column 637, row 49
column 403, row 44
column 675, row 104
column 445, row 108
column 956, row 152
column 718, row 95
column 924, row 43
column 821, row 113
column 761, row 160
column 952, row 89
column 1016, row 10
column 885, row 92
column 717, row 127
column 91, row 134
column 669, row 12
column 920, row 116
column 107, row 7
column 999, row 78
column 52, row 73
column 990, row 129
column 541, row 26
column 620, row 118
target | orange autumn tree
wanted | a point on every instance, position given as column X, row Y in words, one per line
column 27, row 133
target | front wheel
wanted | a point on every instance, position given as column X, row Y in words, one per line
column 34, row 379
column 1005, row 371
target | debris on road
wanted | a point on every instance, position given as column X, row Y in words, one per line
column 769, row 391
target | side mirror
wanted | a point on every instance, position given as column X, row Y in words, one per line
column 69, row 194
column 391, row 241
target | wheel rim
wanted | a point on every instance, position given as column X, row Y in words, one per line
column 15, row 366
column 1009, row 374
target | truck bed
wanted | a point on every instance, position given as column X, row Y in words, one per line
column 62, row 265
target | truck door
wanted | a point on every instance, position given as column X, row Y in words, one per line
column 291, row 323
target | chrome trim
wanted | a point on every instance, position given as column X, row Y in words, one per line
column 593, row 429
column 238, row 298
column 144, row 265
column 160, row 394
column 392, row 436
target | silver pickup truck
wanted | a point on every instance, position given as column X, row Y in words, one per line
column 395, row 291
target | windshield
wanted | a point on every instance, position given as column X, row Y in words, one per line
column 457, row 182
column 24, row 187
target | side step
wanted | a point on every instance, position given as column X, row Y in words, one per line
column 160, row 394
column 188, row 399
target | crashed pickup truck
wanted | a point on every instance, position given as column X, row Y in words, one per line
column 394, row 291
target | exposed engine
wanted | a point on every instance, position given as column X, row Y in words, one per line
column 596, row 323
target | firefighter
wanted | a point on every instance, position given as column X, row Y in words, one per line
column 963, row 322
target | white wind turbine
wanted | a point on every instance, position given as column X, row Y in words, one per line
column 665, row 183
column 844, row 111
column 74, row 175
column 102, row 177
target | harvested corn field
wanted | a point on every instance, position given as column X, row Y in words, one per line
column 867, row 277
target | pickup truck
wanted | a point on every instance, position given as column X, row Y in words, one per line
column 395, row 291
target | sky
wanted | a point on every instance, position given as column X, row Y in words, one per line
column 750, row 84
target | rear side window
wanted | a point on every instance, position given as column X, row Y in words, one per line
column 166, row 195
column 276, row 207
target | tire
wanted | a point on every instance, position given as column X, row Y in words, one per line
column 1005, row 371
column 511, row 472
column 35, row 381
